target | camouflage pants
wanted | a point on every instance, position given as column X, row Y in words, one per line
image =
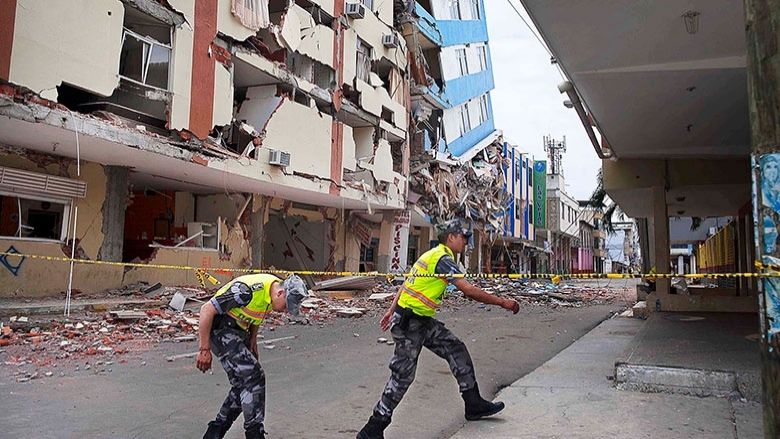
column 246, row 376
column 409, row 340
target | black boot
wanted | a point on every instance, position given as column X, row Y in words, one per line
column 478, row 408
column 374, row 428
column 255, row 433
column 216, row 430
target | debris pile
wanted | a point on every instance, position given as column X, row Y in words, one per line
column 546, row 293
column 473, row 189
column 94, row 341
column 41, row 348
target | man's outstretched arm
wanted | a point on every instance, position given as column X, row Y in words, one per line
column 476, row 293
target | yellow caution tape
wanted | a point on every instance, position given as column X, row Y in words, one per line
column 203, row 275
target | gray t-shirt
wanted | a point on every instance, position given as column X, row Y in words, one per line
column 447, row 265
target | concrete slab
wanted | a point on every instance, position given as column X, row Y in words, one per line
column 694, row 382
column 710, row 341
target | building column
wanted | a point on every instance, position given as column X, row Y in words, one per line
column 114, row 207
column 661, row 238
column 680, row 264
column 426, row 236
column 258, row 215
column 393, row 241
column 762, row 25
column 693, row 264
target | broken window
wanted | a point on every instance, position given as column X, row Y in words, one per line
column 482, row 55
column 483, row 109
column 455, row 9
column 22, row 216
column 462, row 61
column 465, row 121
column 146, row 50
column 363, row 60
column 474, row 9
column 253, row 14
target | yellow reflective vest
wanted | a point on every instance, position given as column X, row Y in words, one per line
column 423, row 295
column 255, row 311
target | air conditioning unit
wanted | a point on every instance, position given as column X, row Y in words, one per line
column 391, row 40
column 356, row 10
column 278, row 158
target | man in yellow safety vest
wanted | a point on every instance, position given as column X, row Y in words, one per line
column 228, row 327
column 411, row 317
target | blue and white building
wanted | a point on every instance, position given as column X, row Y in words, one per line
column 452, row 76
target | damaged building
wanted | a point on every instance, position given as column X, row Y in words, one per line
column 458, row 160
column 216, row 133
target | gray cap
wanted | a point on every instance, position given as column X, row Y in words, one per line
column 456, row 225
column 296, row 291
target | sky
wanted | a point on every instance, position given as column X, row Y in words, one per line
column 526, row 101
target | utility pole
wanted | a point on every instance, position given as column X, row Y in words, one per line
column 762, row 25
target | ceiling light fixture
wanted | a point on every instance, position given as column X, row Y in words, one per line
column 691, row 19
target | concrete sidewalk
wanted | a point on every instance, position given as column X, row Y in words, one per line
column 573, row 396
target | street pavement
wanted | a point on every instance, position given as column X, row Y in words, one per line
column 321, row 384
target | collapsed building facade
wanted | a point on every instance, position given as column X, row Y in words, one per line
column 216, row 133
column 458, row 162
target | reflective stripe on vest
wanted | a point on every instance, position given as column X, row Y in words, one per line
column 255, row 311
column 423, row 295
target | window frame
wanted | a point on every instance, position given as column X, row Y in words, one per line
column 463, row 61
column 482, row 56
column 366, row 64
column 66, row 214
column 152, row 42
column 455, row 7
column 465, row 119
column 475, row 14
column 483, row 109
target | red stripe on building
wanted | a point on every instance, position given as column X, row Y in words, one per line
column 203, row 68
column 337, row 136
column 336, row 157
column 7, row 21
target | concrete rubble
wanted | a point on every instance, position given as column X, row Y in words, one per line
column 472, row 189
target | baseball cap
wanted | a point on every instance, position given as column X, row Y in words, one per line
column 456, row 225
column 296, row 291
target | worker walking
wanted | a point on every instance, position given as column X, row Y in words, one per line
column 228, row 327
column 411, row 317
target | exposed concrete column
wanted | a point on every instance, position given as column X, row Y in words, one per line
column 661, row 237
column 394, row 241
column 680, row 264
column 426, row 236
column 257, row 219
column 114, row 206
column 693, row 264
column 762, row 26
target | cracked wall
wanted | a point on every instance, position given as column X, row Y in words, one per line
column 37, row 277
column 310, row 147
column 74, row 41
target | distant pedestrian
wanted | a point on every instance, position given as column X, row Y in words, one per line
column 228, row 327
column 411, row 317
